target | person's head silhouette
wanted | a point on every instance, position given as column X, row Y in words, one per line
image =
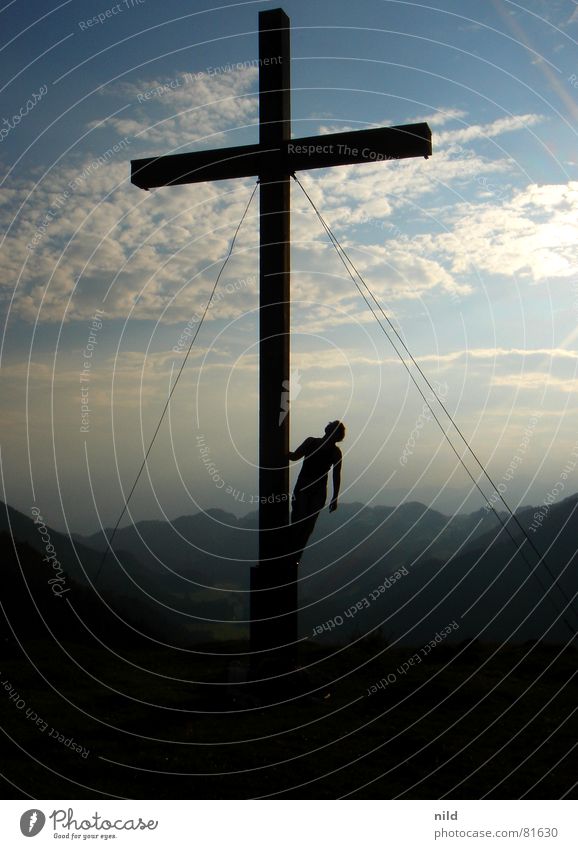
column 335, row 432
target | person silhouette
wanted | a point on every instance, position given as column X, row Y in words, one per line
column 310, row 491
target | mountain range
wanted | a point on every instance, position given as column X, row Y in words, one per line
column 405, row 571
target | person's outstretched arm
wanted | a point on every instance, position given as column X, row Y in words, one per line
column 301, row 451
column 336, row 484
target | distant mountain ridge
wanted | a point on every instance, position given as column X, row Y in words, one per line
column 193, row 573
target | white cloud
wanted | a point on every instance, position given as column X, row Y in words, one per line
column 509, row 124
column 497, row 353
column 158, row 254
column 439, row 118
column 164, row 249
column 538, row 380
column 532, row 235
column 171, row 114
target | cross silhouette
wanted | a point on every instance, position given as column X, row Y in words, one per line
column 273, row 160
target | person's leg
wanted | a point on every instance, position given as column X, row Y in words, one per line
column 306, row 508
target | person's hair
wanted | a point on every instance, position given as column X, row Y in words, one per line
column 335, row 431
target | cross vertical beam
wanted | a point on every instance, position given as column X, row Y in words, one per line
column 274, row 579
column 274, row 270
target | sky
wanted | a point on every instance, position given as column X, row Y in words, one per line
column 471, row 253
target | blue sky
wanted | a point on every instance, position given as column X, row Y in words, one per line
column 472, row 253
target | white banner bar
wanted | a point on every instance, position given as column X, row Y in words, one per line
column 293, row 823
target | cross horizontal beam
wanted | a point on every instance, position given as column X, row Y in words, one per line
column 351, row 148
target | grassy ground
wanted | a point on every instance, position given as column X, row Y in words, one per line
column 466, row 722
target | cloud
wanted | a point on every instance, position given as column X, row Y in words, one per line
column 533, row 235
column 439, row 118
column 509, row 124
column 126, row 252
column 532, row 369
column 155, row 255
column 169, row 114
column 498, row 353
column 434, row 119
column 537, row 381
column 80, row 233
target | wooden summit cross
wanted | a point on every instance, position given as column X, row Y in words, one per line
column 274, row 160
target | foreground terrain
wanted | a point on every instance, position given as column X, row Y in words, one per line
column 468, row 721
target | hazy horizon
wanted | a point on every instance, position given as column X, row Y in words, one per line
column 465, row 505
